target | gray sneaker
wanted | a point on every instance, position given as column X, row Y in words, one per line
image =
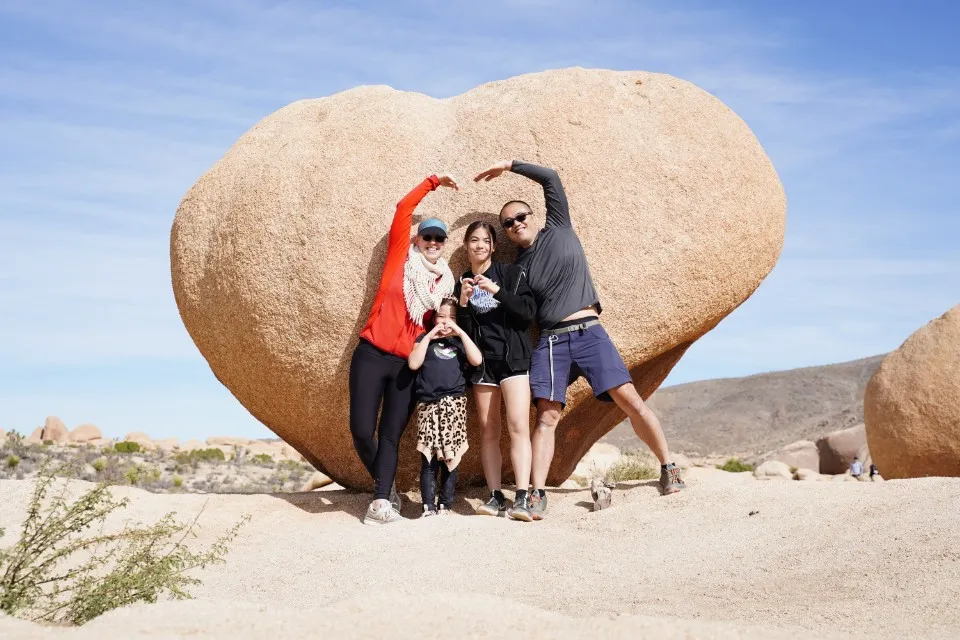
column 394, row 497
column 493, row 507
column 443, row 511
column 427, row 511
column 381, row 512
column 670, row 481
column 601, row 493
column 520, row 509
column 537, row 505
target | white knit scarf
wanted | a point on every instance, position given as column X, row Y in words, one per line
column 425, row 284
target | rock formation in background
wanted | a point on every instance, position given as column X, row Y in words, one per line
column 912, row 404
column 53, row 430
column 802, row 454
column 277, row 250
column 85, row 434
column 838, row 449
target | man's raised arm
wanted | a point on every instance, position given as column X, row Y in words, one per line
column 558, row 212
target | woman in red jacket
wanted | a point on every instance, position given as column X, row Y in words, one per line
column 415, row 279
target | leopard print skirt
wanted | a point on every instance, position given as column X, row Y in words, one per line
column 442, row 429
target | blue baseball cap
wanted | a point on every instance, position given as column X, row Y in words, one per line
column 432, row 225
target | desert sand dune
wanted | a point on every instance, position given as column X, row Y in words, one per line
column 818, row 559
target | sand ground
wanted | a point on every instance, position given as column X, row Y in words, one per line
column 819, row 559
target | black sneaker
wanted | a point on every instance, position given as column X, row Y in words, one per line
column 495, row 506
column 537, row 504
column 520, row 509
column 670, row 481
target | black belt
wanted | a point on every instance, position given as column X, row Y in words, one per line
column 571, row 328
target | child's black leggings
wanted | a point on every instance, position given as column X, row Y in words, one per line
column 379, row 377
column 428, row 481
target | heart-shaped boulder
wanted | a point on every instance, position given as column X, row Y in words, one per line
column 276, row 251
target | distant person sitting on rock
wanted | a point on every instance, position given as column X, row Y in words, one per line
column 856, row 468
column 415, row 279
column 496, row 310
column 442, row 355
column 572, row 341
column 873, row 471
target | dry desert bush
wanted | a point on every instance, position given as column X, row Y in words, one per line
column 60, row 572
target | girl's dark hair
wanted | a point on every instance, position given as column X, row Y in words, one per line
column 480, row 224
column 431, row 316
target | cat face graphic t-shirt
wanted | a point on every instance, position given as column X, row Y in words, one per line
column 442, row 372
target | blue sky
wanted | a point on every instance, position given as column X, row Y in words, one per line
column 109, row 111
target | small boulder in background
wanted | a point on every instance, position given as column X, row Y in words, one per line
column 802, row 454
column 316, row 481
column 807, row 475
column 85, row 433
column 228, row 441
column 838, row 449
column 597, row 461
column 773, row 470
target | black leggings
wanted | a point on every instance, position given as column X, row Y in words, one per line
column 377, row 376
column 428, row 482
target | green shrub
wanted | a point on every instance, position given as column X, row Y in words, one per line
column 793, row 470
column 99, row 465
column 126, row 447
column 177, row 481
column 580, row 480
column 133, row 475
column 197, row 456
column 631, row 467
column 55, row 575
column 735, row 466
column 48, row 443
column 13, row 461
column 263, row 458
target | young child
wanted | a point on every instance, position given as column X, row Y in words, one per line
column 442, row 355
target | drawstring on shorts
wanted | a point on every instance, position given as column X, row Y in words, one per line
column 550, row 341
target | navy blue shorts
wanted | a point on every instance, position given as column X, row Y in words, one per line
column 559, row 360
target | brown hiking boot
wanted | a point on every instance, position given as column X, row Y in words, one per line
column 670, row 481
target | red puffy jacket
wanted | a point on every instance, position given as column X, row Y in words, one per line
column 389, row 327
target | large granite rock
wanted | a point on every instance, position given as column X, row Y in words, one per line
column 85, row 433
column 277, row 250
column 838, row 449
column 802, row 454
column 54, row 430
column 911, row 406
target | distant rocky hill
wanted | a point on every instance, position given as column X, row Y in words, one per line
column 758, row 413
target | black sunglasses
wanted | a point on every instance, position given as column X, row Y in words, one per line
column 431, row 238
column 520, row 217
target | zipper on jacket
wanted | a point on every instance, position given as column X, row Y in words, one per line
column 515, row 289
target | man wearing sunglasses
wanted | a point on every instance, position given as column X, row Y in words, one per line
column 572, row 341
